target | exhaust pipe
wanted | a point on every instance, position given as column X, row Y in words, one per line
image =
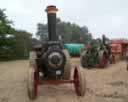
column 51, row 14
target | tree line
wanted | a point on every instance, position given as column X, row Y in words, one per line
column 14, row 44
column 70, row 32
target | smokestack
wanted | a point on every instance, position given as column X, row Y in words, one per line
column 51, row 13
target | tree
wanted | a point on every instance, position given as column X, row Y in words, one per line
column 22, row 45
column 70, row 32
column 5, row 41
column 14, row 44
column 42, row 31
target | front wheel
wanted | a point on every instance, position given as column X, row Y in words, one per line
column 79, row 81
column 32, row 84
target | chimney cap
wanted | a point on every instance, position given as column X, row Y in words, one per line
column 51, row 9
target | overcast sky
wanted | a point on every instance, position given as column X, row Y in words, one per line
column 109, row 17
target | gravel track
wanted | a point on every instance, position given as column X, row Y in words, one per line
column 103, row 85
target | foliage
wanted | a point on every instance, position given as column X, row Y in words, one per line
column 42, row 31
column 14, row 44
column 70, row 32
column 22, row 44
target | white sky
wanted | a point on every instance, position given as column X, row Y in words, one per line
column 109, row 17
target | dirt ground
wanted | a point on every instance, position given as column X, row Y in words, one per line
column 103, row 85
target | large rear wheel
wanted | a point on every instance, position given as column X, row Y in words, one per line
column 83, row 59
column 127, row 66
column 67, row 67
column 103, row 60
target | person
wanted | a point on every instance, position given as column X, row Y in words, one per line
column 127, row 57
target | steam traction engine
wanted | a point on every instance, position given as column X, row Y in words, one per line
column 98, row 55
column 50, row 63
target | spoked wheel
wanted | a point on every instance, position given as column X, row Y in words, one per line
column 79, row 81
column 32, row 83
column 67, row 67
column 103, row 60
column 83, row 59
column 127, row 66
